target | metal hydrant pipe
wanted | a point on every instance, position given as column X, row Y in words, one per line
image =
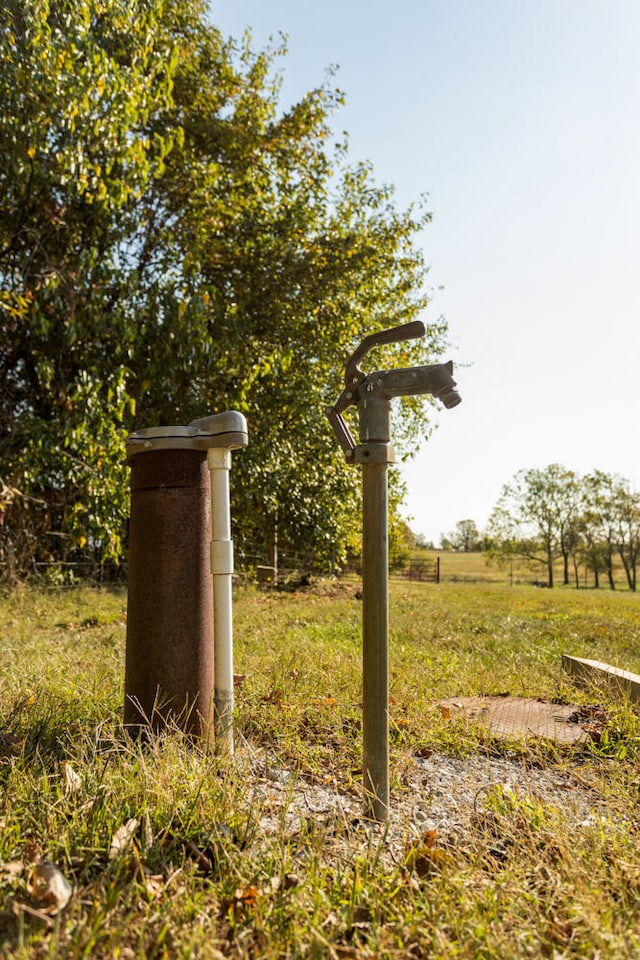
column 375, row 644
column 372, row 394
column 219, row 463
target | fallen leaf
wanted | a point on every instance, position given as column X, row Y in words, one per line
column 239, row 679
column 424, row 752
column 122, row 838
column 444, row 711
column 429, row 838
column 272, row 886
column 154, row 884
column 275, row 696
column 72, row 780
column 48, row 884
column 10, row 745
column 247, row 897
column 424, row 856
column 87, row 805
column 32, row 852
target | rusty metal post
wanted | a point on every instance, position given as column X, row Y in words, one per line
column 170, row 654
column 169, row 658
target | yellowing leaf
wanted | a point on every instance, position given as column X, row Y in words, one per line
column 424, row 856
column 247, row 896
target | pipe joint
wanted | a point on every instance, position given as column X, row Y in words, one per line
column 375, row 453
column 222, row 557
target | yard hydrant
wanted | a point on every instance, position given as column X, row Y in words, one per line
column 371, row 394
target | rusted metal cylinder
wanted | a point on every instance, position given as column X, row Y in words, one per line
column 169, row 674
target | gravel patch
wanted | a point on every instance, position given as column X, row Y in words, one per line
column 443, row 794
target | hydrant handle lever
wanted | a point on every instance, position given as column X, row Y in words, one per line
column 407, row 331
column 354, row 375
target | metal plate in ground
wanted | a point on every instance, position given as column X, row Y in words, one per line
column 521, row 717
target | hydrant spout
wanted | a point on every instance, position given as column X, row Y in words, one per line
column 436, row 379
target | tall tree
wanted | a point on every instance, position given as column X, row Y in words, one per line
column 173, row 244
column 79, row 85
column 465, row 537
column 598, row 524
column 626, row 513
column 535, row 516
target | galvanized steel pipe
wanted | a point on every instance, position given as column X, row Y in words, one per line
column 375, row 644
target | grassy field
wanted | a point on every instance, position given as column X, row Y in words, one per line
column 473, row 567
column 114, row 848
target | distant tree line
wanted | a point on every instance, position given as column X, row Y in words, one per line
column 556, row 516
column 174, row 244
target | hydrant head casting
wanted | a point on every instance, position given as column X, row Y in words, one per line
column 362, row 390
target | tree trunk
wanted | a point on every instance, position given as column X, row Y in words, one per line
column 612, row 582
column 549, row 569
column 627, row 570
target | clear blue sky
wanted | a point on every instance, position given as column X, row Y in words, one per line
column 521, row 120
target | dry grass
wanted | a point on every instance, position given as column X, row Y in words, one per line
column 243, row 861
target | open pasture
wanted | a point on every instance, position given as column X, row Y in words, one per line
column 495, row 849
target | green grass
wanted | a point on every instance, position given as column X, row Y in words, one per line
column 220, row 866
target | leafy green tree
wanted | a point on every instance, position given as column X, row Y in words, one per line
column 598, row 526
column 171, row 245
column 465, row 537
column 534, row 518
column 625, row 506
column 79, row 85
column 290, row 257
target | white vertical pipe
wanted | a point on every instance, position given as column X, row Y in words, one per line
column 219, row 462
